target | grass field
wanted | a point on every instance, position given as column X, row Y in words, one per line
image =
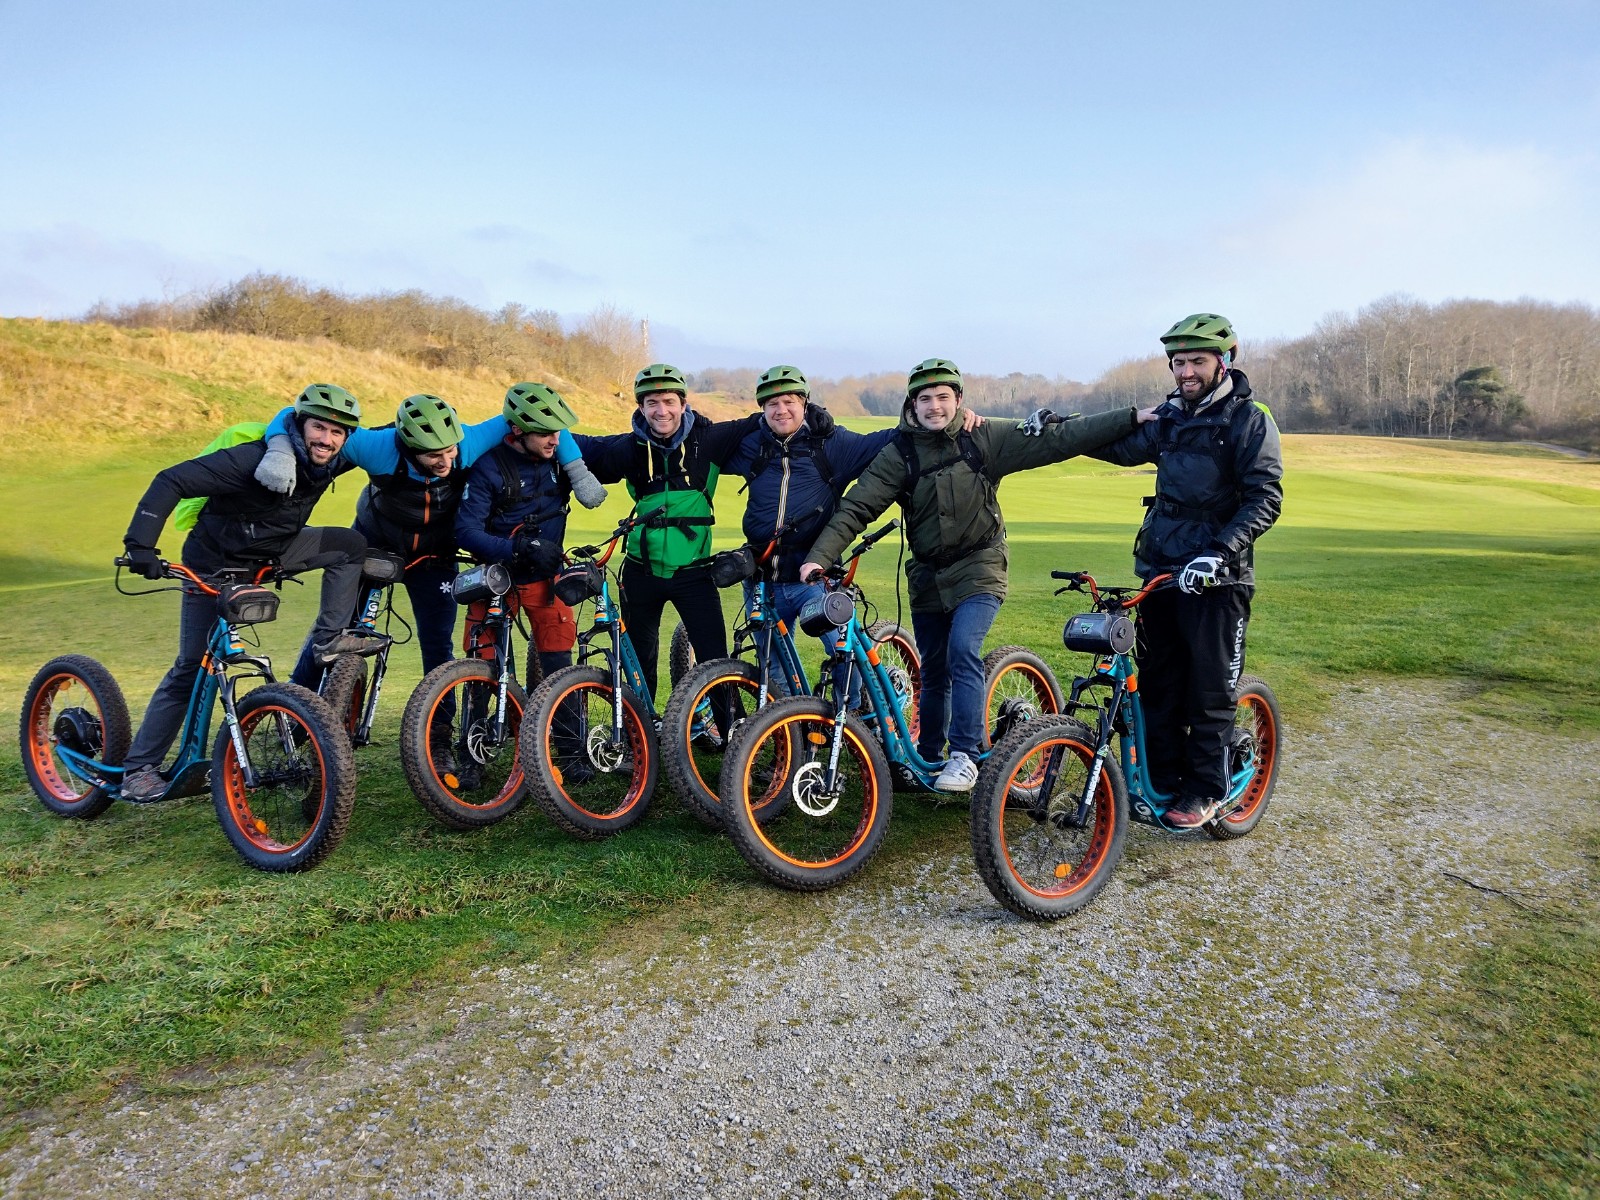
column 137, row 945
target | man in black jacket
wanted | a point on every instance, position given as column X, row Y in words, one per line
column 1219, row 472
column 244, row 525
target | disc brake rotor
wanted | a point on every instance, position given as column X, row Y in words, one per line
column 808, row 794
column 605, row 754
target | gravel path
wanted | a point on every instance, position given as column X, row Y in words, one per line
column 1196, row 1029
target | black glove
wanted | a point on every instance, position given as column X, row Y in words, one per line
column 146, row 561
column 541, row 557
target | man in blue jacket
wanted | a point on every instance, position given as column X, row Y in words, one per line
column 798, row 462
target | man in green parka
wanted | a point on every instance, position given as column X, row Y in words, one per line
column 945, row 482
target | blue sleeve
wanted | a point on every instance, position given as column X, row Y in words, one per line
column 472, row 517
column 849, row 453
column 373, row 450
column 479, row 439
column 279, row 424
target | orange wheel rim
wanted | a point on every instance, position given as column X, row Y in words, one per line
column 1071, row 878
column 869, row 808
column 41, row 740
column 1266, row 737
column 256, row 830
column 632, row 730
column 449, row 781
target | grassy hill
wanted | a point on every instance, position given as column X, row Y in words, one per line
column 95, row 387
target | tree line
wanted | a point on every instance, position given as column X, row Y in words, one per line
column 600, row 351
column 1398, row 367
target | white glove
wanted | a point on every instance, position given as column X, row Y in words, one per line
column 277, row 469
column 1035, row 422
column 1200, row 573
column 591, row 493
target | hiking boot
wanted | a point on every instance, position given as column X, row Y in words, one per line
column 143, row 784
column 1190, row 813
column 328, row 652
column 960, row 774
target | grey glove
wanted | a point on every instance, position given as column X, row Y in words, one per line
column 1035, row 422
column 1200, row 573
column 591, row 493
column 277, row 469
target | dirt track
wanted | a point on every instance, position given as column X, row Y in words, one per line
column 1201, row 1024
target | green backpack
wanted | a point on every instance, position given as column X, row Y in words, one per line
column 188, row 511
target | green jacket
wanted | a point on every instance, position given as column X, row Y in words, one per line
column 953, row 521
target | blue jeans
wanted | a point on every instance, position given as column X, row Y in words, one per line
column 787, row 601
column 951, row 645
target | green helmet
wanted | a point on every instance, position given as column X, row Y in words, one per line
column 534, row 408
column 426, row 422
column 329, row 403
column 1202, row 331
column 931, row 372
column 781, row 381
column 659, row 377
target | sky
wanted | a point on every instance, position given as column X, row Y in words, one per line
column 850, row 187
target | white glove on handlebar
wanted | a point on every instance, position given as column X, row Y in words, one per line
column 1201, row 573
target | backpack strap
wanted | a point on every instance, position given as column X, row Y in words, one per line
column 970, row 454
column 510, row 493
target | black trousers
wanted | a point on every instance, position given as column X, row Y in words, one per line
column 691, row 592
column 1190, row 655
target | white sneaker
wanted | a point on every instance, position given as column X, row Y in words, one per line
column 960, row 774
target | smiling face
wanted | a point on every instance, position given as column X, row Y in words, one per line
column 663, row 412
column 784, row 414
column 1196, row 372
column 437, row 463
column 541, row 446
column 935, row 406
column 324, row 439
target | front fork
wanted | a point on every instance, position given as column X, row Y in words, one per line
column 841, row 705
column 1075, row 818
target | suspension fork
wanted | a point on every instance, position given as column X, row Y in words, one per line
column 230, row 717
column 1102, row 751
column 841, row 707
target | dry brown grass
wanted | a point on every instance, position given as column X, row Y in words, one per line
column 96, row 385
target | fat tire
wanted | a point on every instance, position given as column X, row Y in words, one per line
column 683, row 770
column 549, row 783
column 680, row 654
column 1257, row 707
column 437, row 796
column 997, row 797
column 324, row 750
column 1045, row 691
column 752, row 831
column 57, row 790
column 344, row 690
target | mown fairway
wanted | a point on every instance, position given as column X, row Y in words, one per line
column 137, row 943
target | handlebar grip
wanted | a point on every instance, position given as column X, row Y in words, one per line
column 885, row 531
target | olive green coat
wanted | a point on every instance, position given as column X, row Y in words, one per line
column 952, row 509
